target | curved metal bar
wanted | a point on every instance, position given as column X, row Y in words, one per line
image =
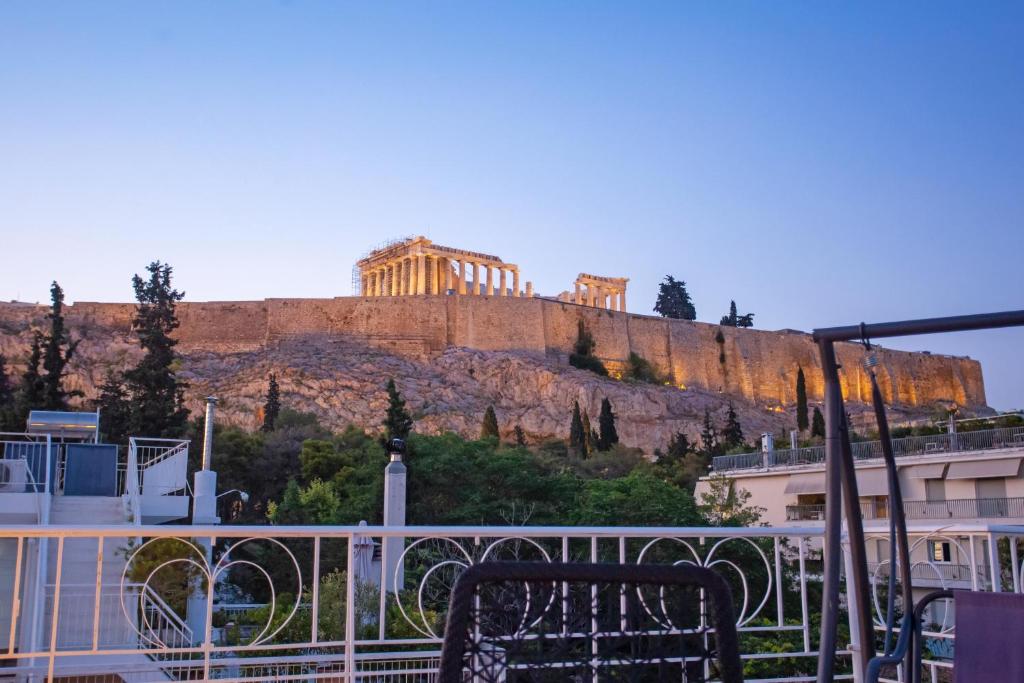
column 897, row 523
column 915, row 672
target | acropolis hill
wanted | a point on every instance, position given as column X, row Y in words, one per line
column 457, row 348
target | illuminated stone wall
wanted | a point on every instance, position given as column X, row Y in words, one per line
column 758, row 365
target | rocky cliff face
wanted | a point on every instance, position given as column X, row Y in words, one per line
column 342, row 380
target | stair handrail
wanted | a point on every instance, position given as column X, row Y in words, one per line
column 132, row 482
column 152, row 599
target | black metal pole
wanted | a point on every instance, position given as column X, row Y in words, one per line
column 858, row 578
column 841, row 481
column 899, row 522
column 832, row 553
column 907, row 328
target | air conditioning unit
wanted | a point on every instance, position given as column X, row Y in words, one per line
column 13, row 476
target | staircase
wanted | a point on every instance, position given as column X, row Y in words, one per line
column 78, row 592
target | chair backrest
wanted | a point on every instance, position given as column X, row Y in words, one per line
column 549, row 621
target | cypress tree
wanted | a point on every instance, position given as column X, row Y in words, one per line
column 8, row 410
column 157, row 396
column 708, row 435
column 489, row 429
column 801, row 401
column 730, row 320
column 115, row 410
column 589, row 436
column 577, row 437
column 520, row 436
column 608, row 436
column 57, row 352
column 817, row 423
column 31, row 390
column 272, row 406
column 678, row 447
column 397, row 422
column 732, row 434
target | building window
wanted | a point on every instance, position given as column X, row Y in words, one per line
column 940, row 551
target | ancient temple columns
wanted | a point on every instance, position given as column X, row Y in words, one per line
column 418, row 267
column 601, row 292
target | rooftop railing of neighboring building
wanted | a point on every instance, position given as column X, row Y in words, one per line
column 37, row 463
column 988, row 439
column 957, row 508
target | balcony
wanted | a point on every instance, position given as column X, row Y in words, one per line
column 961, row 508
column 149, row 475
column 302, row 603
column 990, row 439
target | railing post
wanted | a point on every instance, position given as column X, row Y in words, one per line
column 856, row 643
column 993, row 562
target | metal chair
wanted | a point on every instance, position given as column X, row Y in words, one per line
column 518, row 622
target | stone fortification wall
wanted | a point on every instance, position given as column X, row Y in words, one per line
column 758, row 365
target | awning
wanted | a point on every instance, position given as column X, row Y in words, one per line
column 873, row 482
column 806, row 484
column 932, row 471
column 981, row 469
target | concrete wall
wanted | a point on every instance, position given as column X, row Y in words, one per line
column 758, row 365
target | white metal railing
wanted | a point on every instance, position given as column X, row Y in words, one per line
column 28, row 460
column 988, row 439
column 325, row 616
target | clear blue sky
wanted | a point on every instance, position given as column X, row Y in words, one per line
column 820, row 164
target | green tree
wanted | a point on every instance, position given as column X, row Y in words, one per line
column 607, row 436
column 58, row 349
column 583, row 356
column 732, row 434
column 678, row 447
column 674, row 301
column 730, row 320
column 397, row 421
column 614, row 502
column 272, row 406
column 725, row 505
column 115, row 410
column 8, row 409
column 157, row 395
column 31, row 390
column 736, row 320
column 519, row 436
column 801, row 400
column 489, row 428
column 818, row 423
column 577, row 437
column 316, row 504
column 639, row 369
column 589, row 436
column 455, row 481
column 709, row 436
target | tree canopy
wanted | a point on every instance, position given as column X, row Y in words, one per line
column 397, row 421
column 157, row 395
column 674, row 301
column 272, row 405
column 801, row 401
column 58, row 349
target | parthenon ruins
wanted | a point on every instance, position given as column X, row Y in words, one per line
column 418, row 266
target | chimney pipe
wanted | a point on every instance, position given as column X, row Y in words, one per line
column 211, row 404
